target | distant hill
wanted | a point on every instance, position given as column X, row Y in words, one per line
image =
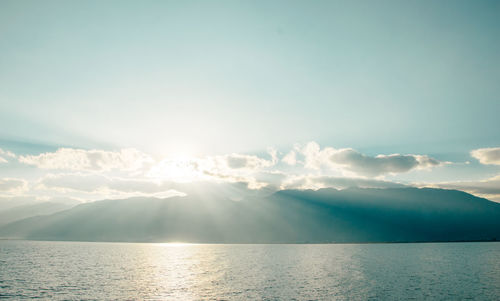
column 287, row 216
column 24, row 211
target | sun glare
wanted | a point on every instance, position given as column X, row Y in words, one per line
column 176, row 244
column 180, row 169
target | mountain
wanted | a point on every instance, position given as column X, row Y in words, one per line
column 11, row 202
column 287, row 216
column 24, row 211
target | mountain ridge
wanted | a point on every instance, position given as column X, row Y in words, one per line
column 286, row 216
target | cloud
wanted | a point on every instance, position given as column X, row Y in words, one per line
column 104, row 186
column 97, row 186
column 487, row 155
column 317, row 182
column 315, row 157
column 181, row 170
column 381, row 164
column 5, row 154
column 91, row 174
column 348, row 159
column 73, row 182
column 232, row 168
column 488, row 188
column 290, row 158
column 249, row 180
column 89, row 160
column 13, row 186
column 96, row 182
column 240, row 161
column 238, row 168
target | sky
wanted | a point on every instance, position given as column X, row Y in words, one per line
column 106, row 99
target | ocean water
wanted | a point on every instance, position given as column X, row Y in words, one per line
column 110, row 271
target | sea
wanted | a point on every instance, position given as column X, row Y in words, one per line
column 177, row 271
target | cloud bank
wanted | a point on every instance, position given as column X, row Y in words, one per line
column 348, row 159
column 111, row 187
column 89, row 160
column 12, row 185
column 317, row 182
column 489, row 156
column 94, row 174
column 488, row 188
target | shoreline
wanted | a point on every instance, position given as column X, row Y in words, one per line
column 177, row 243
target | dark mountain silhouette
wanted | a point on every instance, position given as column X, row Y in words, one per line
column 287, row 216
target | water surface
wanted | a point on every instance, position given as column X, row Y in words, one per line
column 83, row 270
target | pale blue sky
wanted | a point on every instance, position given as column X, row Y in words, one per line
column 216, row 77
column 239, row 76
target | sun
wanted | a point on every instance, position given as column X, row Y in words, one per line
column 178, row 168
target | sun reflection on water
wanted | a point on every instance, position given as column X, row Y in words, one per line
column 176, row 244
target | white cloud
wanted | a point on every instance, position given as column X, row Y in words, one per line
column 315, row 157
column 13, row 186
column 350, row 160
column 236, row 168
column 240, row 161
column 487, row 155
column 94, row 186
column 73, row 182
column 488, row 188
column 95, row 182
column 89, row 160
column 317, row 182
column 232, row 168
column 290, row 158
column 181, row 170
column 5, row 154
column 104, row 186
column 381, row 164
column 273, row 153
column 91, row 174
column 248, row 179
